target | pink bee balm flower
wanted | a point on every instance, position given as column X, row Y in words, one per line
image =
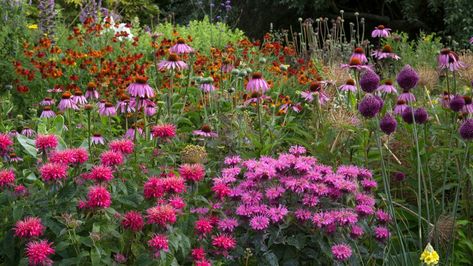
column 38, row 252
column 348, row 86
column 198, row 253
column 124, row 146
column 100, row 173
column 80, row 155
column 5, row 142
column 177, row 202
column 53, row 172
column 203, row 226
column 387, row 87
column 62, row 157
column 224, row 242
column 381, row 233
column 7, row 178
column 257, row 84
column 164, row 131
column 341, row 252
column 158, row 243
column 359, row 53
column 153, row 188
column 181, row 47
column 29, row 227
column 192, row 172
column 172, row 63
column 46, row 142
column 161, row 215
column 259, row 222
column 380, row 32
column 140, row 88
column 67, row 102
column 98, row 197
column 228, row 224
column 133, row 221
column 111, row 158
column 205, row 131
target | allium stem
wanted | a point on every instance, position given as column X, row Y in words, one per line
column 387, row 190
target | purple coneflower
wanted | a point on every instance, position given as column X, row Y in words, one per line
column 380, row 32
column 47, row 101
column 130, row 133
column 227, row 66
column 355, row 63
column 67, row 102
column 468, row 108
column 28, row 132
column 150, row 109
column 47, row 112
column 141, row 88
column 91, row 92
column 445, row 99
column 97, row 139
column 315, row 89
column 172, row 63
column 369, row 81
column 254, row 98
column 387, row 87
column 359, row 53
column 207, row 86
column 386, row 52
column 181, row 47
column 124, row 105
column 257, row 83
column 471, row 40
column 450, row 60
column 205, row 131
column 79, row 98
column 108, row 110
column 348, row 86
column 13, row 157
column 400, row 107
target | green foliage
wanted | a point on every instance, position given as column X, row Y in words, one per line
column 204, row 33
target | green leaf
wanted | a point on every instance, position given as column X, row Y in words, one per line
column 28, row 145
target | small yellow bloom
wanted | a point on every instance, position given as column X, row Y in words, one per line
column 430, row 257
column 33, row 26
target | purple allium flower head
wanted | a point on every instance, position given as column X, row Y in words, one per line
column 457, row 103
column 407, row 78
column 370, row 106
column 369, row 81
column 466, row 129
column 420, row 115
column 407, row 115
column 399, row 176
column 388, row 124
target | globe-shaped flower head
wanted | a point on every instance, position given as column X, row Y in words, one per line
column 407, row 78
column 369, row 81
column 388, row 124
column 370, row 106
column 466, row 129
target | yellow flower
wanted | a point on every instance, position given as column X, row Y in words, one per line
column 33, row 26
column 430, row 257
